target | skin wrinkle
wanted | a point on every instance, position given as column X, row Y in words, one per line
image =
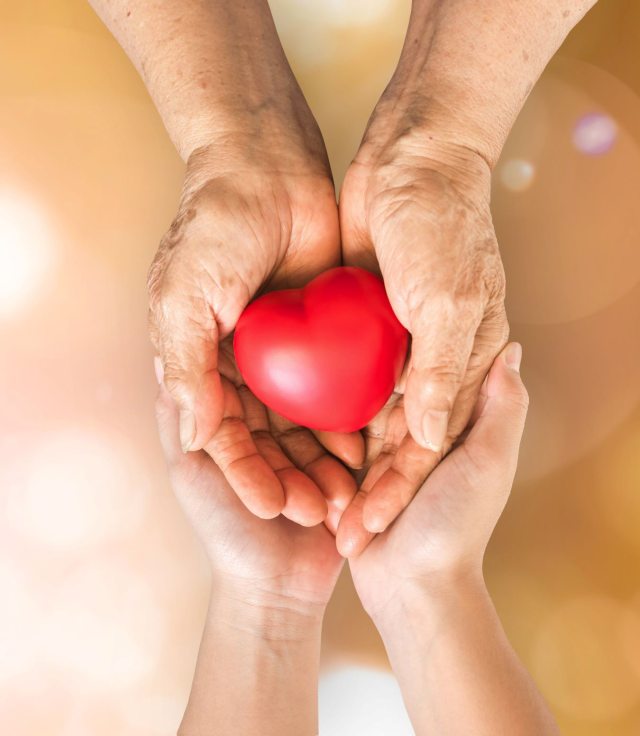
column 226, row 250
column 220, row 80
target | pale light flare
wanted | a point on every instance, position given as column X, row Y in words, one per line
column 19, row 617
column 356, row 12
column 361, row 700
column 517, row 174
column 27, row 251
column 105, row 628
column 595, row 134
column 77, row 487
column 155, row 714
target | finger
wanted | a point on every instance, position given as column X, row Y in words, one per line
column 185, row 333
column 234, row 450
column 395, row 488
column 335, row 483
column 443, row 333
column 304, row 502
column 386, row 431
column 495, row 437
column 346, row 446
column 352, row 538
column 490, row 339
column 475, row 414
column 167, row 419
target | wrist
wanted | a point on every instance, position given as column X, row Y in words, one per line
column 390, row 156
column 422, row 602
column 248, row 609
column 277, row 127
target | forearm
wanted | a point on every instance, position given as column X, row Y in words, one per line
column 214, row 69
column 467, row 67
column 456, row 668
column 257, row 671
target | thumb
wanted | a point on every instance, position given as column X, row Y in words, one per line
column 167, row 419
column 443, row 334
column 496, row 434
column 185, row 333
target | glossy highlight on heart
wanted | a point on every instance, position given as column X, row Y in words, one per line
column 326, row 356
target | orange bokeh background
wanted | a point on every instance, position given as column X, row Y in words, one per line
column 103, row 587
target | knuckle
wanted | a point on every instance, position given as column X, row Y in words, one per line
column 439, row 392
column 455, row 303
column 173, row 382
column 440, row 379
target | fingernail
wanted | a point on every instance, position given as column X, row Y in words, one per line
column 434, row 429
column 513, row 356
column 159, row 368
column 187, row 429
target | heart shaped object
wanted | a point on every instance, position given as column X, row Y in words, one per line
column 326, row 356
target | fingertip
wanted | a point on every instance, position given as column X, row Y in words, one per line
column 428, row 404
column 265, row 511
column 208, row 409
column 352, row 547
column 512, row 356
column 347, row 447
column 435, row 423
column 271, row 498
column 504, row 376
column 167, row 420
column 258, row 488
column 352, row 538
column 304, row 502
column 187, row 430
column 345, row 545
column 158, row 369
column 374, row 521
column 305, row 517
column 355, row 450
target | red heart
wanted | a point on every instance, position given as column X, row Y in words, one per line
column 326, row 356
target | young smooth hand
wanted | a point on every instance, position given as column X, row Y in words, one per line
column 257, row 669
column 442, row 535
column 270, row 561
column 421, row 581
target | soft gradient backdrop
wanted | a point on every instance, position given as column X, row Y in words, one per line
column 102, row 586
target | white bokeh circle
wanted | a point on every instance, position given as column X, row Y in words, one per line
column 27, row 251
column 105, row 627
column 360, row 700
column 569, row 235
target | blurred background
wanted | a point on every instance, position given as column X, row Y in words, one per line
column 102, row 586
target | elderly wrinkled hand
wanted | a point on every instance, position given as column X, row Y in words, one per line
column 248, row 221
column 420, row 215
